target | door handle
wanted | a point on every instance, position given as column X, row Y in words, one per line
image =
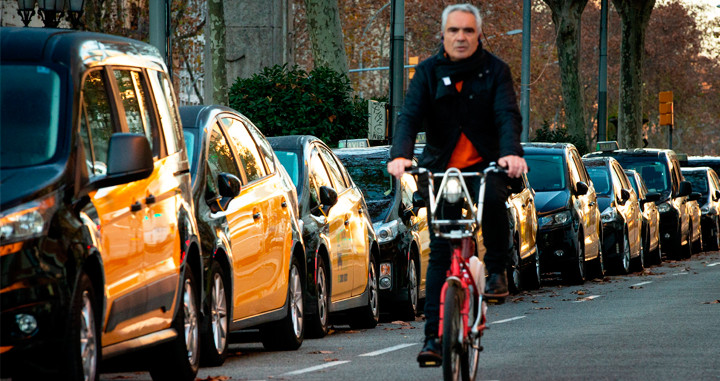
column 592, row 203
column 347, row 222
column 360, row 211
column 136, row 207
column 257, row 215
column 283, row 204
column 150, row 199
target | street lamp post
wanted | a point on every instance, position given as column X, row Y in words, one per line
column 75, row 12
column 362, row 38
column 26, row 10
column 51, row 12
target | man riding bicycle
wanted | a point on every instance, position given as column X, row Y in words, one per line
column 463, row 97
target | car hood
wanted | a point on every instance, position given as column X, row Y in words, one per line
column 546, row 202
column 17, row 186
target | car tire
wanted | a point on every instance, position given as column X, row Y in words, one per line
column 288, row 333
column 598, row 264
column 513, row 270
column 82, row 349
column 217, row 319
column 409, row 309
column 368, row 316
column 179, row 359
column 319, row 321
column 574, row 271
column 713, row 242
column 623, row 261
column 531, row 272
column 638, row 264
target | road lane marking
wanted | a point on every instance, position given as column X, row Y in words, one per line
column 681, row 273
column 314, row 368
column 640, row 284
column 507, row 320
column 585, row 299
column 713, row 264
column 386, row 350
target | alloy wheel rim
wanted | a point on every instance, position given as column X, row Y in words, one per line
column 88, row 340
column 219, row 313
column 372, row 281
column 296, row 306
column 322, row 296
column 516, row 270
column 537, row 265
column 412, row 284
column 190, row 322
column 626, row 253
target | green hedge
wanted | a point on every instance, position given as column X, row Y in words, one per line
column 559, row 135
column 290, row 101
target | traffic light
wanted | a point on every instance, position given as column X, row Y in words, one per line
column 412, row 61
column 666, row 108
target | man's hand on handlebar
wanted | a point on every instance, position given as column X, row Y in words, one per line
column 397, row 166
column 515, row 165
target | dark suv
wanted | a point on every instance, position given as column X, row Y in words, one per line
column 661, row 171
column 705, row 181
column 569, row 228
column 98, row 245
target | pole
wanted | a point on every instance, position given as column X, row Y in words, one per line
column 670, row 136
column 160, row 29
column 602, row 73
column 525, row 72
column 397, row 61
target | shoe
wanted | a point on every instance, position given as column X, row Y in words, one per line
column 496, row 287
column 430, row 355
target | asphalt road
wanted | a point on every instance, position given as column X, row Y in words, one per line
column 661, row 324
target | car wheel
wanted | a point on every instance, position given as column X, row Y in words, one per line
column 288, row 333
column 180, row 359
column 513, row 270
column 574, row 271
column 623, row 261
column 714, row 236
column 215, row 341
column 83, row 347
column 319, row 321
column 368, row 316
column 598, row 265
column 409, row 309
column 531, row 272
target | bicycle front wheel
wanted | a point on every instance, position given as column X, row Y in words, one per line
column 455, row 360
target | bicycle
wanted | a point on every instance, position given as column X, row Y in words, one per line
column 462, row 307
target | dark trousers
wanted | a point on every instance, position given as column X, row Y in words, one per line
column 496, row 238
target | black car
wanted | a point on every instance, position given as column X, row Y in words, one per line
column 706, row 182
column 569, row 227
column 651, row 218
column 620, row 214
column 341, row 248
column 401, row 229
column 703, row 161
column 239, row 188
column 660, row 170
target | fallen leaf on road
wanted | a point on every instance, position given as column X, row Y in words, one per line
column 321, row 352
column 214, row 378
column 713, row 302
column 542, row 308
column 534, row 301
column 636, row 287
column 579, row 292
column 330, row 360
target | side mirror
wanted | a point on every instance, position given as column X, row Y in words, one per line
column 694, row 196
column 717, row 195
column 581, row 188
column 228, row 185
column 652, row 196
column 328, row 196
column 685, row 188
column 129, row 159
column 418, row 200
column 624, row 196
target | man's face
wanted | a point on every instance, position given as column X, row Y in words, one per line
column 460, row 36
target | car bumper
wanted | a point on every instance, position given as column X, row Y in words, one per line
column 557, row 246
column 612, row 239
column 395, row 285
column 670, row 230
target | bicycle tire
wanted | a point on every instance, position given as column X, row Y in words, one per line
column 455, row 360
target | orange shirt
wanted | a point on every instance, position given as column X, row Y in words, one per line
column 464, row 154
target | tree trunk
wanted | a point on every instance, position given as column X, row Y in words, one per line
column 216, row 24
column 634, row 15
column 566, row 16
column 323, row 21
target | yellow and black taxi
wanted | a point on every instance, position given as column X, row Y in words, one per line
column 660, row 169
column 706, row 182
column 252, row 249
column 524, row 268
column 620, row 214
column 569, row 227
column 341, row 248
column 401, row 228
column 98, row 248
column 651, row 218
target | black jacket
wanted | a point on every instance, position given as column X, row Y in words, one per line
column 485, row 110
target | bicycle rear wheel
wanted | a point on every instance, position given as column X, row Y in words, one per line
column 455, row 360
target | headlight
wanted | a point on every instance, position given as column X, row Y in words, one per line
column 555, row 219
column 386, row 232
column 705, row 209
column 453, row 190
column 664, row 207
column 609, row 214
column 28, row 220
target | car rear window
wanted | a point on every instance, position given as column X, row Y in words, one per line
column 652, row 169
column 547, row 172
column 289, row 160
column 698, row 180
column 377, row 185
column 600, row 179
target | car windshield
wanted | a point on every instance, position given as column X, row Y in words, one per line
column 29, row 116
column 289, row 160
column 547, row 172
column 653, row 171
column 698, row 180
column 377, row 185
column 601, row 179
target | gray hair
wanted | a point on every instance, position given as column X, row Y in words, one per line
column 468, row 8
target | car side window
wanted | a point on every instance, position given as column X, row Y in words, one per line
column 167, row 110
column 580, row 168
column 572, row 166
column 97, row 123
column 333, row 169
column 246, row 149
column 616, row 182
column 220, row 156
column 265, row 150
column 135, row 105
column 318, row 177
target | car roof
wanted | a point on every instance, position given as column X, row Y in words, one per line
column 380, row 152
column 538, row 147
column 199, row 116
column 597, row 161
column 633, row 152
column 695, row 169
